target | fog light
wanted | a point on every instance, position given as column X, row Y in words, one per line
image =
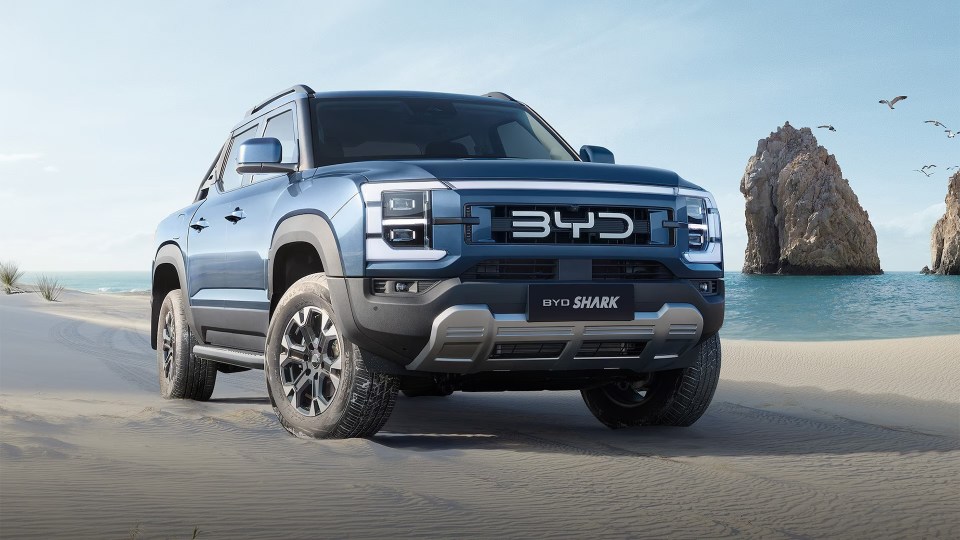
column 402, row 286
column 704, row 286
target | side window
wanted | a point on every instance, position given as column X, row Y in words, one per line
column 231, row 179
column 282, row 128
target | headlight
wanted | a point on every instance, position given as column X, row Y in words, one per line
column 406, row 218
column 399, row 221
column 697, row 224
column 704, row 244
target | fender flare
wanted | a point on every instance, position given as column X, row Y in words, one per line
column 312, row 228
column 171, row 254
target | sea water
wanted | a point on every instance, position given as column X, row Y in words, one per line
column 792, row 308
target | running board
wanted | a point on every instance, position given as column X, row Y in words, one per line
column 229, row 356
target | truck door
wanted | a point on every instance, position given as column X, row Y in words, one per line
column 208, row 279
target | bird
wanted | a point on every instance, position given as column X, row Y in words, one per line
column 831, row 128
column 954, row 167
column 951, row 134
column 925, row 173
column 925, row 167
column 936, row 123
column 893, row 101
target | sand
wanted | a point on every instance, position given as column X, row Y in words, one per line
column 829, row 439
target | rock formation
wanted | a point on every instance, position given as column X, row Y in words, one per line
column 945, row 237
column 802, row 216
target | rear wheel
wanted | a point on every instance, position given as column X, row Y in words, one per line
column 182, row 375
column 666, row 398
column 318, row 381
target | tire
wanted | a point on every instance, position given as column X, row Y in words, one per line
column 668, row 398
column 318, row 382
column 181, row 374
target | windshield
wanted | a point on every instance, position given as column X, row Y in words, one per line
column 365, row 129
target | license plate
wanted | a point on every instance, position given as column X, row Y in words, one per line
column 588, row 302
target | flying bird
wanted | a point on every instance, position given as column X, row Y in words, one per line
column 936, row 123
column 925, row 167
column 925, row 173
column 831, row 128
column 954, row 167
column 893, row 101
column 951, row 134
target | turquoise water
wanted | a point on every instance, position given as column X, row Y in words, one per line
column 97, row 282
column 791, row 308
column 826, row 308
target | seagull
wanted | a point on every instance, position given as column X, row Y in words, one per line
column 925, row 167
column 954, row 167
column 925, row 173
column 831, row 128
column 936, row 123
column 951, row 134
column 893, row 101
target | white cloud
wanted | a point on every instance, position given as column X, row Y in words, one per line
column 51, row 169
column 916, row 224
column 20, row 157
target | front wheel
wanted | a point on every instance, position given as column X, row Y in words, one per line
column 677, row 397
column 182, row 375
column 318, row 382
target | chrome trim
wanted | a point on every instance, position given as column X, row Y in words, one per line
column 378, row 251
column 560, row 185
column 475, row 330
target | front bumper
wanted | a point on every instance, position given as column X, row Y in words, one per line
column 455, row 327
column 463, row 340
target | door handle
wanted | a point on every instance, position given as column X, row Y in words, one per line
column 199, row 225
column 235, row 216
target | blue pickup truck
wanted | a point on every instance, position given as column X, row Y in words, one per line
column 355, row 245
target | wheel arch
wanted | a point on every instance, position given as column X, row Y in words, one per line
column 302, row 244
column 169, row 273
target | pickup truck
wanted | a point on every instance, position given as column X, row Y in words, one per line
column 354, row 245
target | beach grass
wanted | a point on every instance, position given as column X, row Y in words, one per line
column 49, row 287
column 10, row 275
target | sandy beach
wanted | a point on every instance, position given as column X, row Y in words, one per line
column 818, row 439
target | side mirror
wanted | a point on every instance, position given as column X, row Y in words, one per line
column 596, row 154
column 262, row 155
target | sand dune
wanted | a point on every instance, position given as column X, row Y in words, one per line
column 852, row 439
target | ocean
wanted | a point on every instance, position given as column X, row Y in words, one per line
column 779, row 308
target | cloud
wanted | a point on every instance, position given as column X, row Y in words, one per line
column 916, row 224
column 20, row 157
column 51, row 169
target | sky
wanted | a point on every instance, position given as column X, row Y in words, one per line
column 112, row 111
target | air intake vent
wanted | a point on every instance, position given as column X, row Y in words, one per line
column 610, row 349
column 509, row 351
column 512, row 270
column 626, row 270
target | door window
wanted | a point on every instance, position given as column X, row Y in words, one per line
column 231, row 179
column 282, row 128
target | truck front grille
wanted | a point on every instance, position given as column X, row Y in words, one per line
column 627, row 270
column 512, row 270
column 539, row 224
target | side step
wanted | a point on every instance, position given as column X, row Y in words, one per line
column 229, row 356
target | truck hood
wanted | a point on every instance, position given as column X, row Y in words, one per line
column 506, row 169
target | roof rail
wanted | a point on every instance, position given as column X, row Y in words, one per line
column 499, row 95
column 292, row 90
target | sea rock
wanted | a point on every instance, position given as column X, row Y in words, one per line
column 945, row 237
column 802, row 217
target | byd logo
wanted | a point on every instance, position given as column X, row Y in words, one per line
column 542, row 227
column 584, row 302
